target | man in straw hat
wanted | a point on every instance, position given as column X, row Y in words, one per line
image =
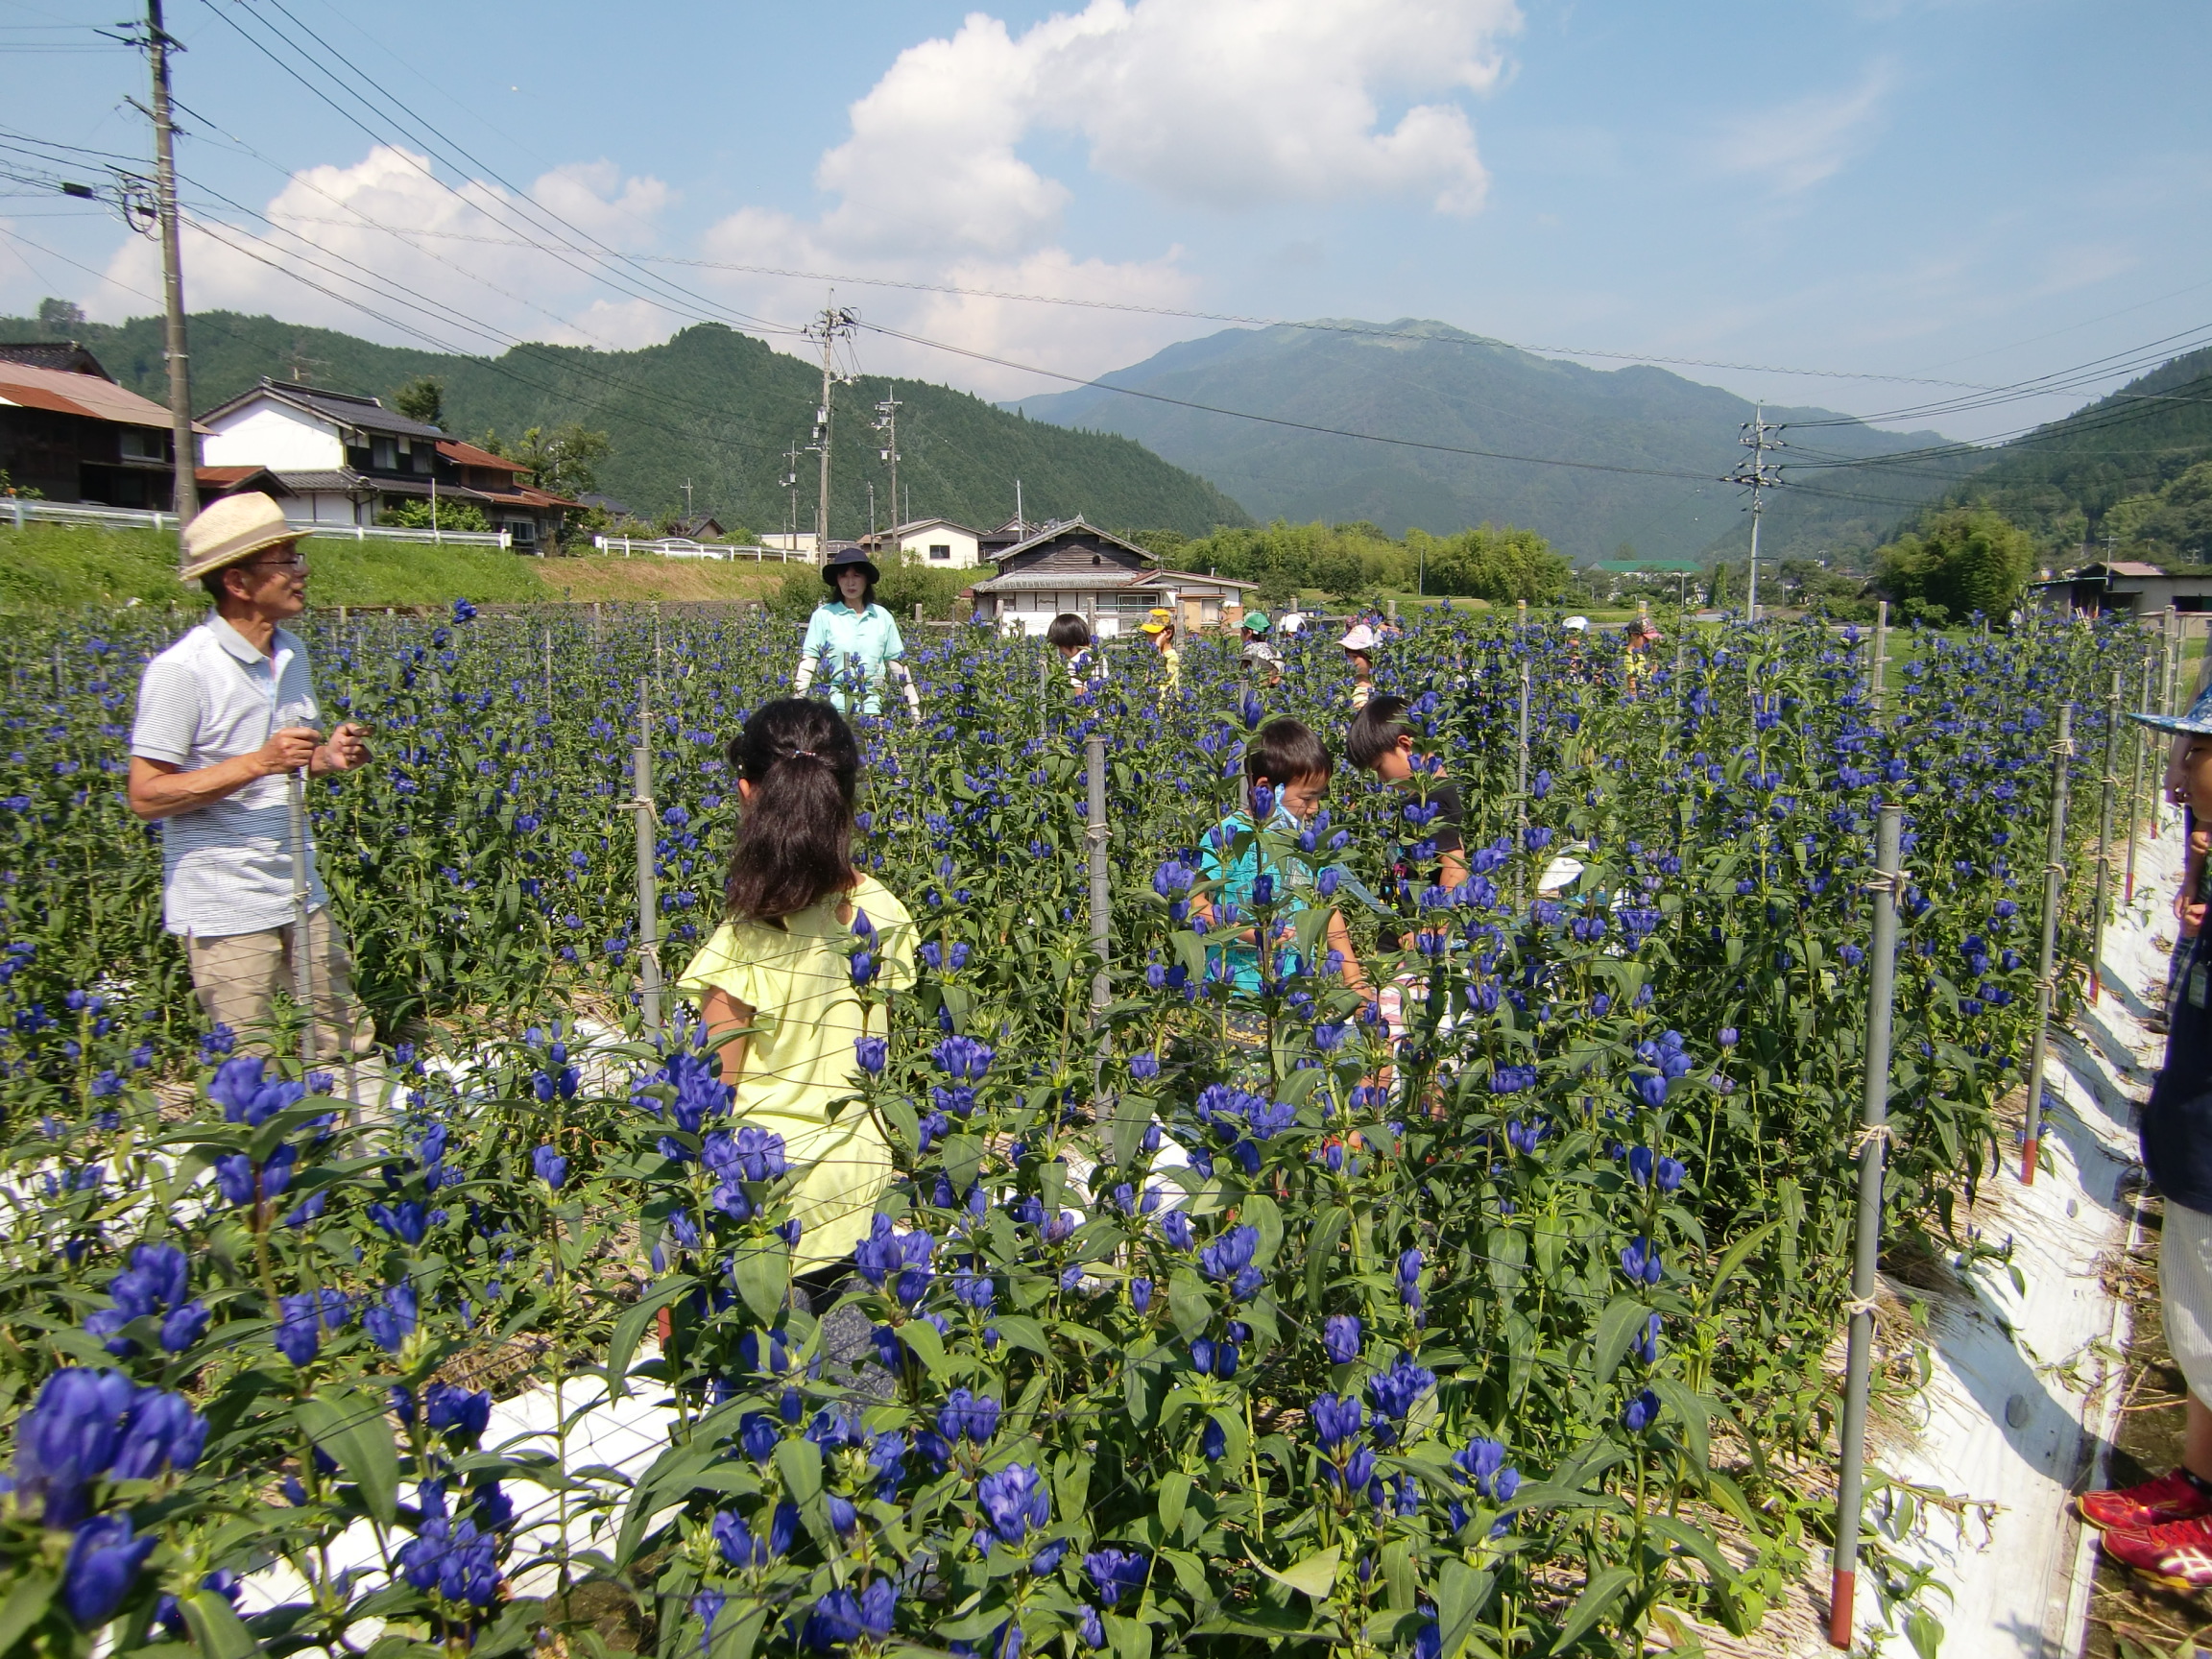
column 225, row 716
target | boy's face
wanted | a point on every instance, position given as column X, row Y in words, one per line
column 1302, row 797
column 1395, row 764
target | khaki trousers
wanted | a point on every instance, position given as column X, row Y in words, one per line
column 236, row 977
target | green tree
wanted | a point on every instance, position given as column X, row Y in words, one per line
column 60, row 319
column 563, row 460
column 422, row 399
column 1497, row 565
column 1966, row 559
column 414, row 514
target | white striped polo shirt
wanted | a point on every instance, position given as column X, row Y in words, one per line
column 227, row 868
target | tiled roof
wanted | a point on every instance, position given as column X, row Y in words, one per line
column 63, row 392
column 469, row 455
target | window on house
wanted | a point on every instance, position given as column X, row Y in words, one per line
column 142, row 443
column 940, row 550
column 383, row 455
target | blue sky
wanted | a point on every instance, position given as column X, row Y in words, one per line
column 1973, row 192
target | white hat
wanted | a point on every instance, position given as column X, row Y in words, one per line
column 1358, row 637
column 1577, row 624
column 232, row 529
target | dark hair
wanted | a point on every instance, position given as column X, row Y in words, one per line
column 795, row 836
column 1284, row 751
column 1376, row 730
column 1068, row 630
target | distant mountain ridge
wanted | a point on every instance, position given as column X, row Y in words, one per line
column 709, row 405
column 1436, row 384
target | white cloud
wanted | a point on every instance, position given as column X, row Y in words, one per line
column 1797, row 145
column 384, row 233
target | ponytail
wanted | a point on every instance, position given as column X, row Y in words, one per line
column 795, row 835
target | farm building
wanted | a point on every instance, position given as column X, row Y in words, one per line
column 1074, row 566
column 69, row 432
column 937, row 542
column 2129, row 586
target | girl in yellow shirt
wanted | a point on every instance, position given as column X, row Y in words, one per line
column 777, row 977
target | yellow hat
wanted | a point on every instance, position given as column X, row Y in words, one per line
column 1159, row 622
column 234, row 528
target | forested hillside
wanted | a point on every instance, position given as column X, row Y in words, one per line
column 710, row 405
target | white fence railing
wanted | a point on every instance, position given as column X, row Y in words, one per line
column 21, row 512
column 681, row 547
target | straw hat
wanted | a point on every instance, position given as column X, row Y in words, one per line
column 234, row 528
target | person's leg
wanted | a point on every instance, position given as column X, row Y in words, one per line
column 342, row 1027
column 2197, row 1439
column 234, row 980
column 2183, row 1494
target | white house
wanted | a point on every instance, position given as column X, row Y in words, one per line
column 340, row 456
column 936, row 543
column 1112, row 584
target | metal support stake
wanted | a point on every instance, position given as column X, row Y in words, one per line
column 2136, row 777
column 302, row 967
column 1094, row 765
column 2053, row 896
column 2107, row 784
column 1873, row 1134
column 648, row 899
column 1045, row 690
column 1521, row 779
column 1881, row 651
column 548, row 670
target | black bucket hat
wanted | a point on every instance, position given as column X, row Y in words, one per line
column 846, row 556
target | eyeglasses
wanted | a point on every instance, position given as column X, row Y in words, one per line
column 293, row 561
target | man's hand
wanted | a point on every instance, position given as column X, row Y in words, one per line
column 287, row 750
column 346, row 749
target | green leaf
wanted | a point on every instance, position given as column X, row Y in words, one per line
column 1460, row 1593
column 216, row 1630
column 1187, row 1303
column 26, row 1604
column 629, row 1329
column 349, row 1427
column 1508, row 1251
column 1321, row 1252
column 1314, row 1574
column 920, row 1337
column 763, row 1274
column 1695, row 1413
column 1736, row 1256
column 1020, row 1331
column 799, row 1463
column 1617, row 1327
column 1684, row 1536
column 1595, row 1601
column 1174, row 1496
column 1263, row 1212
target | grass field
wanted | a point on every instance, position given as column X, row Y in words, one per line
column 44, row 568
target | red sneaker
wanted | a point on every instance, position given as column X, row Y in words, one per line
column 2174, row 1496
column 2178, row 1556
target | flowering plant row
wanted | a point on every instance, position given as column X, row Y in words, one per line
column 1487, row 1318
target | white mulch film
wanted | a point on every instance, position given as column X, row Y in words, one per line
column 2016, row 1416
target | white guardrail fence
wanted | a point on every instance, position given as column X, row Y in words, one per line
column 683, row 547
column 21, row 512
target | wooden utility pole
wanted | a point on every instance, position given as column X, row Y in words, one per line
column 828, row 329
column 187, row 492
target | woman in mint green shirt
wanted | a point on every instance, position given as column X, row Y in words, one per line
column 854, row 640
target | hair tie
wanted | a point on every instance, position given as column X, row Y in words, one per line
column 805, row 755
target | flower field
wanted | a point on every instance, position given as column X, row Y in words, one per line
column 1503, row 1333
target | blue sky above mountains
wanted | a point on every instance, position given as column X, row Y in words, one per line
column 1969, row 191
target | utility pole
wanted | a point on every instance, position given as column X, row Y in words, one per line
column 790, row 482
column 871, row 509
column 887, row 424
column 1757, row 475
column 687, row 501
column 1019, row 523
column 158, row 45
column 830, row 327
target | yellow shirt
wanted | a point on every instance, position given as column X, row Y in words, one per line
column 798, row 981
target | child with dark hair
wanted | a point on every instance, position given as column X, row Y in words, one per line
column 776, row 978
column 1286, row 769
column 1071, row 636
column 1430, row 849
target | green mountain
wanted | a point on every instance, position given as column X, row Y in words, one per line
column 2130, row 467
column 1435, row 384
column 713, row 407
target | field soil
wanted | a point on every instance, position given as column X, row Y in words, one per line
column 648, row 579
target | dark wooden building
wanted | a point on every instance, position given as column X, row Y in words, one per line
column 70, row 433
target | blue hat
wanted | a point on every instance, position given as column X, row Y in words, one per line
column 2199, row 719
column 848, row 556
